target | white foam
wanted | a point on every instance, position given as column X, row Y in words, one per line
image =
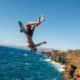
column 58, row 66
column 27, row 63
column 48, row 60
column 25, row 54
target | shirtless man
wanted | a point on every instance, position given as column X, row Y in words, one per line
column 29, row 33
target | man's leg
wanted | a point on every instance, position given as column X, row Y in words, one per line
column 36, row 23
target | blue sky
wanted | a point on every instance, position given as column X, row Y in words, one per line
column 61, row 28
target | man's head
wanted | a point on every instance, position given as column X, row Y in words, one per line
column 34, row 49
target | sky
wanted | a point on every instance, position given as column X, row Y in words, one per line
column 61, row 28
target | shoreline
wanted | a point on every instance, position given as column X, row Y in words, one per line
column 66, row 62
column 60, row 67
column 69, row 62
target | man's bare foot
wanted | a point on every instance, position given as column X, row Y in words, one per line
column 42, row 19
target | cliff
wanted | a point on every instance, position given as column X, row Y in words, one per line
column 71, row 59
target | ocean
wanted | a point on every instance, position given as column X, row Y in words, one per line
column 19, row 64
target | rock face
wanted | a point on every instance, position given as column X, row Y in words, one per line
column 71, row 59
column 58, row 56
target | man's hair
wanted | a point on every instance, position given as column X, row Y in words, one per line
column 34, row 49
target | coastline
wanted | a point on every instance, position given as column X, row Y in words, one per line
column 58, row 66
column 69, row 62
column 66, row 62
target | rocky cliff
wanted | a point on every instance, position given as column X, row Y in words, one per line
column 71, row 59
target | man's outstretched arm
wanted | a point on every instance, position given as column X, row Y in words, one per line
column 39, row 44
column 22, row 29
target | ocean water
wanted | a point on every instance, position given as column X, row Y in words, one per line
column 17, row 64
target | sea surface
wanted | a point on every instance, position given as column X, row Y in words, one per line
column 18, row 64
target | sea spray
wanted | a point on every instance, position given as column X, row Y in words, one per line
column 57, row 65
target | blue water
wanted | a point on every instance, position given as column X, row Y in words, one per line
column 17, row 64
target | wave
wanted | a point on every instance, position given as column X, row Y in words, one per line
column 57, row 65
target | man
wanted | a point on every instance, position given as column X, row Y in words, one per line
column 29, row 33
